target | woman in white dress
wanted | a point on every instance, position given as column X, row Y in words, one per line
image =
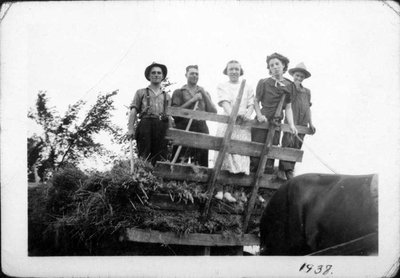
column 227, row 93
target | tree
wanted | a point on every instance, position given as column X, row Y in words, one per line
column 65, row 140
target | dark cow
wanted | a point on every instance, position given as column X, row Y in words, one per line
column 312, row 212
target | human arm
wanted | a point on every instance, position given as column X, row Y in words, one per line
column 209, row 105
column 177, row 99
column 189, row 103
column 310, row 123
column 131, row 123
column 250, row 104
column 260, row 117
column 226, row 105
column 289, row 116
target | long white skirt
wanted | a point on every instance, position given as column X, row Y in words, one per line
column 235, row 163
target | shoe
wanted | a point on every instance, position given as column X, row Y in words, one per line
column 229, row 197
column 219, row 195
column 261, row 199
column 289, row 174
column 281, row 175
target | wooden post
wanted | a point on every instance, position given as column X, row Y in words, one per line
column 261, row 167
column 131, row 153
column 187, row 129
column 223, row 150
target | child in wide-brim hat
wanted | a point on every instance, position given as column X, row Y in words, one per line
column 301, row 103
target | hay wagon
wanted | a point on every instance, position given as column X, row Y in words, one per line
column 213, row 176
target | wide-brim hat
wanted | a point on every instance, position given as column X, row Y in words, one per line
column 302, row 68
column 161, row 66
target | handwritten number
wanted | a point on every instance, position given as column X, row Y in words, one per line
column 301, row 268
column 319, row 269
column 308, row 267
column 328, row 268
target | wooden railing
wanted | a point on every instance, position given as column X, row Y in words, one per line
column 224, row 145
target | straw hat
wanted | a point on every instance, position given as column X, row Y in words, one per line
column 302, row 68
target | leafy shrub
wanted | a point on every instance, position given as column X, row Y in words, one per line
column 68, row 178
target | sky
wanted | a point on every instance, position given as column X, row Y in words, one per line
column 74, row 50
column 78, row 49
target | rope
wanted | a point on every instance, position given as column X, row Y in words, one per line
column 320, row 159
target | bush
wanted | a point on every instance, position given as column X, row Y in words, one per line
column 69, row 178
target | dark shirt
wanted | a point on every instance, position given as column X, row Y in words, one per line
column 181, row 96
column 301, row 104
column 269, row 93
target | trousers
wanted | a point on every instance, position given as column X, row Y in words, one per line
column 198, row 156
column 290, row 141
column 150, row 139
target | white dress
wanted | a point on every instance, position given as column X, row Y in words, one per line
column 227, row 91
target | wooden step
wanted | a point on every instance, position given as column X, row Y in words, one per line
column 190, row 172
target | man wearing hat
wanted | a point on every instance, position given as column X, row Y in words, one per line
column 301, row 103
column 187, row 97
column 269, row 93
column 149, row 105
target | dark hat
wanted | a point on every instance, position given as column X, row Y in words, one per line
column 280, row 57
column 231, row 62
column 300, row 67
column 161, row 66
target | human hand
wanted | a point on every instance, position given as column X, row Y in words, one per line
column 198, row 96
column 130, row 135
column 261, row 118
column 293, row 129
column 313, row 129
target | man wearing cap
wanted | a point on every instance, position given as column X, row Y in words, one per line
column 269, row 92
column 150, row 104
column 187, row 97
column 301, row 103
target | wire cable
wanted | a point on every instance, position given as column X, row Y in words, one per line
column 320, row 159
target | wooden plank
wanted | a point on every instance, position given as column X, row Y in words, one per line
column 224, row 149
column 363, row 245
column 190, row 172
column 197, row 239
column 205, row 141
column 261, row 167
column 207, row 116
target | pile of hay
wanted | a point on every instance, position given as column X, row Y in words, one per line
column 83, row 210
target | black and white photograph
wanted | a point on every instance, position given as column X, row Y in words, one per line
column 200, row 138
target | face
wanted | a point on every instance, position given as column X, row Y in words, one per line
column 192, row 76
column 156, row 75
column 276, row 67
column 298, row 77
column 233, row 71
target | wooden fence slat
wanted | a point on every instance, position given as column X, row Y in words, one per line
column 201, row 174
column 261, row 167
column 205, row 141
column 207, row 116
column 151, row 236
column 224, row 149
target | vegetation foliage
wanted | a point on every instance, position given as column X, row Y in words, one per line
column 67, row 139
column 87, row 210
